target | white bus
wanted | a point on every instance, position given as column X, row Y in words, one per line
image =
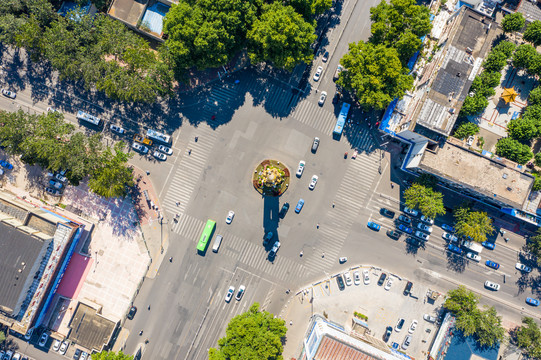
column 81, row 115
column 158, row 136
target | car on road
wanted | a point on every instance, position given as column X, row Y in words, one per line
column 284, row 210
column 449, row 237
column 339, row 69
column 373, row 226
column 313, row 182
column 413, row 326
column 388, row 332
column 399, row 325
column 356, row 277
column 532, row 301
column 340, row 282
column 424, row 227
column 412, row 241
column 489, row 245
column 407, row 342
column 387, row 213
column 240, row 293
column 165, row 149
column 407, row 289
column 300, row 169
column 318, row 73
column 411, row 212
column 394, row 234
column 405, row 229
column 53, row 192
column 322, row 98
column 366, row 277
column 229, row 293
column 56, row 184
column 405, row 219
column 325, row 56
column 63, row 348
column 117, row 129
column 43, row 339
column 427, row 220
column 474, row 257
column 160, row 156
column 8, row 93
column 336, row 97
column 422, row 235
column 492, row 286
column 299, row 206
column 389, row 284
column 455, row 249
column 131, row 313
column 274, row 249
column 523, row 268
column 230, row 216
column 315, row 144
column 447, row 228
column 429, row 318
column 348, row 279
column 382, row 279
column 56, row 345
column 140, row 148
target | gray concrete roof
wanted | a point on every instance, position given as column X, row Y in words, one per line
column 89, row 329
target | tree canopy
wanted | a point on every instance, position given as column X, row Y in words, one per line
column 281, row 36
column 523, row 56
column 375, row 74
column 533, row 244
column 465, row 130
column 309, row 8
column 252, row 335
column 513, row 22
column 528, row 338
column 513, row 150
column 474, row 224
column 427, row 200
column 523, row 129
column 111, row 355
column 535, row 96
column 533, row 33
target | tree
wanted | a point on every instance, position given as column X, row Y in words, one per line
column 513, row 22
column 535, row 96
column 523, row 129
column 252, row 335
column 427, row 200
column 523, row 56
column 111, row 355
column 495, row 61
column 533, row 244
column 537, row 182
column 506, row 47
column 528, row 338
column 474, row 224
column 407, row 45
column 281, row 36
column 473, row 105
column 513, row 150
column 533, row 113
column 113, row 176
column 2, row 337
column 465, row 130
column 538, row 159
column 489, row 330
column 427, row 180
column 309, row 8
column 533, row 33
column 485, row 83
column 375, row 74
column 461, row 301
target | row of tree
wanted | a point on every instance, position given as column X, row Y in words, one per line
column 47, row 140
column 376, row 71
column 516, row 21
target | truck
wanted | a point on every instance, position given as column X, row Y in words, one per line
column 142, row 140
column 472, row 246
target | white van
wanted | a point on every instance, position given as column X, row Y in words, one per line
column 217, row 243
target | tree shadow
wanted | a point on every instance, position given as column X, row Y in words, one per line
column 456, row 262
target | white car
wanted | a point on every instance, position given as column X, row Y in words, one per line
column 117, row 129
column 318, row 73
column 473, row 256
column 43, row 339
column 63, row 348
column 84, row 355
column 411, row 212
column 429, row 318
column 366, row 277
column 313, row 182
column 61, row 177
column 427, row 220
column 229, row 293
column 11, row 94
column 413, row 326
column 322, row 98
column 449, row 237
column 492, row 286
column 356, row 277
column 389, row 284
column 56, row 345
column 53, row 110
column 424, row 227
column 230, row 216
column 523, row 268
column 347, row 277
column 274, row 249
column 240, row 293
column 28, row 334
column 160, row 156
column 17, row 356
column 469, row 141
column 138, row 147
column 166, row 150
column 300, row 169
column 422, row 235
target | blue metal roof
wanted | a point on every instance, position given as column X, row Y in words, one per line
column 153, row 17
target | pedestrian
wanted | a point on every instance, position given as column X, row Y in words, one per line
column 178, row 203
column 323, row 254
column 148, row 172
column 291, row 323
column 149, row 307
column 196, row 138
column 317, row 226
column 333, row 205
column 190, row 152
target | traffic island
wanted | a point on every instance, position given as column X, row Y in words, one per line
column 271, row 178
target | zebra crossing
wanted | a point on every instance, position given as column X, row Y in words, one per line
column 311, row 114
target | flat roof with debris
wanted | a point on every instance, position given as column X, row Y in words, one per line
column 531, row 10
column 90, row 329
column 480, row 173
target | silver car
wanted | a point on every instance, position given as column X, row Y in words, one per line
column 492, row 286
column 11, row 94
column 322, row 98
column 318, row 73
column 313, row 182
column 160, row 156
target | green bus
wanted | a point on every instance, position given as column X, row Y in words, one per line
column 206, row 235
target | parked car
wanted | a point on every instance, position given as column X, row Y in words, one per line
column 230, row 216
column 429, row 318
column 8, row 355
column 407, row 342
column 387, row 213
column 340, row 282
column 424, row 227
column 53, row 192
column 240, row 293
column 63, row 347
column 9, row 94
column 61, row 178
column 411, row 212
column 388, row 332
column 373, row 226
column 299, row 206
column 318, row 73
column 389, row 284
column 337, row 72
column 28, row 334
column 473, row 256
column 300, row 169
column 448, row 228
column 356, row 277
column 229, row 293
column 140, row 148
column 322, row 98
column 268, row 237
column 489, row 245
column 405, row 219
column 117, row 129
column 413, row 326
column 17, row 356
column 393, row 234
column 455, row 249
column 523, row 268
column 6, row 165
column 348, row 279
column 84, row 355
column 284, row 210
column 407, row 289
column 405, row 229
column 366, row 277
column 165, row 149
column 313, row 182
column 427, row 220
column 399, row 325
column 449, row 237
column 159, row 155
column 412, row 241
column 56, row 345
column 421, row 235
column 77, row 354
column 382, row 279
column 43, row 339
column 315, row 144
column 131, row 313
column 325, row 56
column 532, row 301
column 492, row 286
column 56, row 184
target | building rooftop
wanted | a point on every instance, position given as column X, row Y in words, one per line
column 89, row 329
column 128, row 11
column 487, row 176
column 530, row 10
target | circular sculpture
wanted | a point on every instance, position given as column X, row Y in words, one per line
column 271, row 178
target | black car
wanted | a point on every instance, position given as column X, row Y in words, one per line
column 340, row 282
column 404, row 219
column 394, row 234
column 315, row 144
column 407, row 289
column 412, row 241
column 388, row 333
column 387, row 213
column 132, row 312
column 284, row 210
column 382, row 278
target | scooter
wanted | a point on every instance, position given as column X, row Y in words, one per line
column 346, row 155
column 354, row 156
column 342, row 260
